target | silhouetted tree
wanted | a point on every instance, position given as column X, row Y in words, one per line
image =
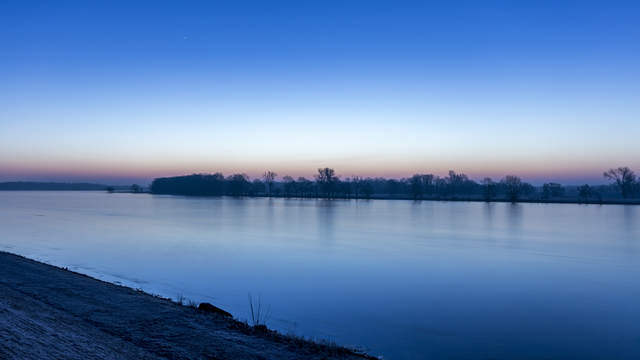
column 624, row 178
column 238, row 184
column 257, row 187
column 585, row 192
column 326, row 180
column 345, row 187
column 305, row 186
column 550, row 190
column 421, row 184
column 513, row 186
column 269, row 177
column 428, row 184
column 392, row 187
column 528, row 189
column 356, row 186
column 362, row 187
column 417, row 187
column 489, row 189
column 456, row 182
column 440, row 186
column 289, row 185
column 366, row 188
column 196, row 184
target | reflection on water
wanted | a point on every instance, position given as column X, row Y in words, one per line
column 630, row 217
column 405, row 279
column 326, row 213
column 514, row 214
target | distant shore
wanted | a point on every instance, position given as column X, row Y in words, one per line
column 465, row 199
column 49, row 312
column 563, row 200
column 454, row 187
column 443, row 199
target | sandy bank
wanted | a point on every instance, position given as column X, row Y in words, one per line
column 47, row 312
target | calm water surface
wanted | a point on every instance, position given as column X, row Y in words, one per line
column 406, row 280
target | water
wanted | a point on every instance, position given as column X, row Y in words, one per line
column 403, row 279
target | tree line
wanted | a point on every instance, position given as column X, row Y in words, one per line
column 327, row 184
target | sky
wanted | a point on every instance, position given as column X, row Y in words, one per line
column 125, row 91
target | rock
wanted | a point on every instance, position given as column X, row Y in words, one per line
column 260, row 328
column 206, row 307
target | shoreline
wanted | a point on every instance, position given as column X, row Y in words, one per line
column 570, row 200
column 52, row 312
column 439, row 199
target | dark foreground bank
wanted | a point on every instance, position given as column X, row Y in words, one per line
column 48, row 312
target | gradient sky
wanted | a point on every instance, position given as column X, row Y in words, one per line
column 126, row 91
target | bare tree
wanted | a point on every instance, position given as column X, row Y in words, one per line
column 624, row 178
column 585, row 192
column 327, row 179
column 427, row 184
column 305, row 187
column 455, row 182
column 257, row 187
column 550, row 190
column 269, row 177
column 363, row 188
column 416, row 184
column 345, row 187
column 513, row 187
column 357, row 185
column 489, row 188
column 289, row 186
column 366, row 188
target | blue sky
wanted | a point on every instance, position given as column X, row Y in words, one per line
column 127, row 91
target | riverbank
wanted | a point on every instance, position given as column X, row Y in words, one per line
column 49, row 312
column 566, row 200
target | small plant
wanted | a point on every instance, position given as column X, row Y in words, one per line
column 259, row 315
column 181, row 299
